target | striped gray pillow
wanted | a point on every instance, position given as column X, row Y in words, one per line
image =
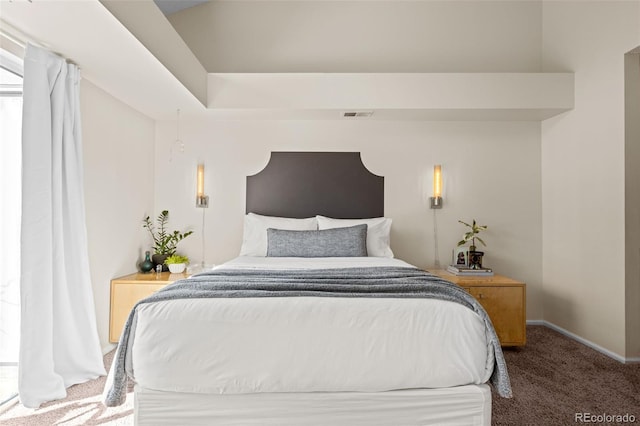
column 337, row 242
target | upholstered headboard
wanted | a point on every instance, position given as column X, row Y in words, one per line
column 305, row 184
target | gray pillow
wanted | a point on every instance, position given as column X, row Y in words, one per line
column 337, row 242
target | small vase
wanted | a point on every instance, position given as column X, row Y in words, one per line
column 158, row 259
column 146, row 265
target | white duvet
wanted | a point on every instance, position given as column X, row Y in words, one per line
column 307, row 344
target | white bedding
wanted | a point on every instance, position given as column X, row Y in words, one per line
column 307, row 344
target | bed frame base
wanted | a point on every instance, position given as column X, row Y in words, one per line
column 464, row 405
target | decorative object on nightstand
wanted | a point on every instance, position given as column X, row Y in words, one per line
column 164, row 242
column 177, row 263
column 474, row 257
column 146, row 265
column 460, row 257
column 466, row 271
column 503, row 298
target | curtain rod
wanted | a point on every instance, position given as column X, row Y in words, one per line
column 17, row 37
column 20, row 39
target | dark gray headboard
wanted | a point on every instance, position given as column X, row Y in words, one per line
column 304, row 184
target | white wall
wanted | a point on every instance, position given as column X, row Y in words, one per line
column 364, row 36
column 491, row 173
column 583, row 170
column 118, row 167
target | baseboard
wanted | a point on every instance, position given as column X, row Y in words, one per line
column 588, row 343
column 604, row 351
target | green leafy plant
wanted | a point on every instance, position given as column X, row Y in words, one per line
column 164, row 242
column 176, row 258
column 472, row 234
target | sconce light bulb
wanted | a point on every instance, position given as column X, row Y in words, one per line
column 200, row 189
column 437, row 181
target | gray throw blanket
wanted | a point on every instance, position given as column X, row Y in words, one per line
column 389, row 282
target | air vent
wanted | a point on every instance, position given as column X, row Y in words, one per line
column 350, row 114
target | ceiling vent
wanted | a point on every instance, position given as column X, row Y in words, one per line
column 351, row 114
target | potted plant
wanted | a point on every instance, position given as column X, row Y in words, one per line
column 164, row 242
column 176, row 263
column 475, row 257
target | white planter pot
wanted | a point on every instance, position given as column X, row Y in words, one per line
column 177, row 268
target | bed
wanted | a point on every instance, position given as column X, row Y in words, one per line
column 343, row 334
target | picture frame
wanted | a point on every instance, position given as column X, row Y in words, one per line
column 461, row 257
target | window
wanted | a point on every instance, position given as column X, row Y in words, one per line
column 10, row 199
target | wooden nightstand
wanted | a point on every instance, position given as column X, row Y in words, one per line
column 503, row 298
column 128, row 290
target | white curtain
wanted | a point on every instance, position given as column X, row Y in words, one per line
column 59, row 343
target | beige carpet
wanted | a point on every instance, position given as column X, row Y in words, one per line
column 82, row 406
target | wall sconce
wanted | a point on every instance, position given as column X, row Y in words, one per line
column 202, row 200
column 436, row 200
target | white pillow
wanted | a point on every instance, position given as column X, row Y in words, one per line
column 254, row 241
column 378, row 230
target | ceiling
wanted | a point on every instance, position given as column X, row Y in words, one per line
column 171, row 6
column 109, row 55
column 133, row 52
